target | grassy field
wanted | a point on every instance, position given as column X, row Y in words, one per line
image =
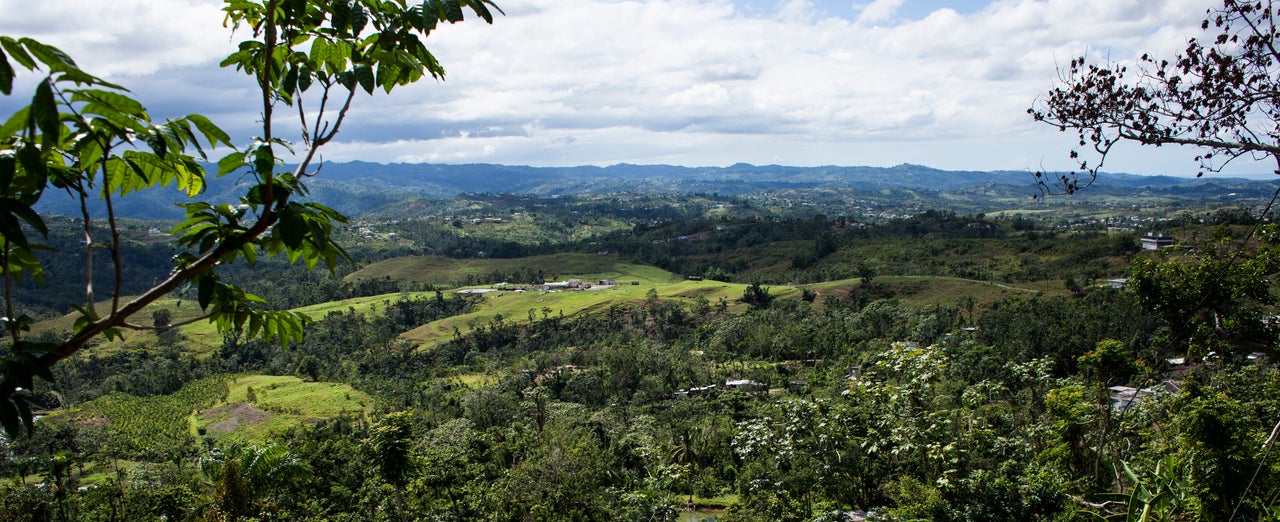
column 477, row 380
column 258, row 405
column 516, row 306
column 204, row 338
column 443, row 271
column 947, row 291
column 221, row 406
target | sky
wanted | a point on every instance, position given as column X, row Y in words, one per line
column 939, row 83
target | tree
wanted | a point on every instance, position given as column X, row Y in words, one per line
column 1221, row 95
column 250, row 477
column 88, row 137
column 1211, row 299
column 757, row 296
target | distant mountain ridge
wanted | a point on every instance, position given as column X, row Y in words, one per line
column 738, row 178
column 357, row 187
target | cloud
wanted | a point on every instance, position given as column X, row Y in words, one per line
column 124, row 38
column 681, row 81
column 878, row 11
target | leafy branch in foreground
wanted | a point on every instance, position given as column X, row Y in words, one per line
column 1221, row 95
column 88, row 137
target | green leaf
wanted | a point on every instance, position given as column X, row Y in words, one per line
column 114, row 100
column 479, row 7
column 451, row 11
column 255, row 326
column 16, row 122
column 208, row 241
column 110, row 124
column 291, row 83
column 305, row 77
column 430, row 16
column 37, row 172
column 320, row 52
column 250, row 253
column 336, row 61
column 51, row 56
column 14, row 48
column 173, row 143
column 9, row 417
column 364, row 76
column 341, row 18
column 264, row 160
column 24, row 408
column 292, row 228
column 23, row 261
column 388, row 75
column 8, row 169
column 29, row 215
column 6, row 76
column 359, row 18
column 231, row 163
column 44, row 112
column 205, row 290
column 212, row 133
column 10, row 228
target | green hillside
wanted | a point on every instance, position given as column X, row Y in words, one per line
column 519, row 307
column 444, row 271
column 257, row 406
column 245, row 407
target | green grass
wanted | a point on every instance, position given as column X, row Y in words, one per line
column 476, row 380
column 527, row 229
column 947, row 291
column 204, row 338
column 155, row 425
column 146, row 425
column 714, row 503
column 443, row 271
column 515, row 306
column 278, row 403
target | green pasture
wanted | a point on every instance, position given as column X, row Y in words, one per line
column 204, row 338
column 528, row 229
column 257, row 406
column 443, row 271
column 158, row 426
column 947, row 291
column 476, row 380
column 517, row 306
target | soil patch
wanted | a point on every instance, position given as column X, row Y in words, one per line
column 232, row 416
column 95, row 422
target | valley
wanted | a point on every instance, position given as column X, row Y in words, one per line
column 509, row 365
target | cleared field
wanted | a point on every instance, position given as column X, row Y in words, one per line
column 947, row 291
column 221, row 406
column 257, row 406
column 476, row 380
column 517, row 306
column 443, row 271
column 204, row 338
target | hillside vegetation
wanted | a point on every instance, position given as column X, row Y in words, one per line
column 743, row 361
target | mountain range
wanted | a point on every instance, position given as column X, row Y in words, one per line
column 358, row 187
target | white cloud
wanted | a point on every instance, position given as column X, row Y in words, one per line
column 878, row 11
column 124, row 38
column 680, row 81
column 796, row 11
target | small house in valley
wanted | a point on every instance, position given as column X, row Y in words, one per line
column 1154, row 241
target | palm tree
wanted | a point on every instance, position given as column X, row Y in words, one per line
column 250, row 477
